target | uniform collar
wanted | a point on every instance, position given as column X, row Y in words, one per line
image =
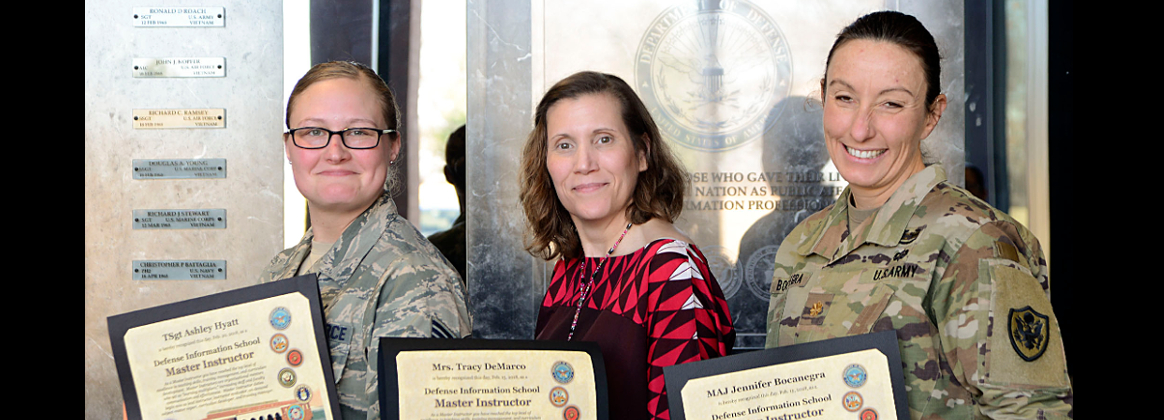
column 832, row 238
column 353, row 244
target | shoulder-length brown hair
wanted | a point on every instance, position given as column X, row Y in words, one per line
column 658, row 193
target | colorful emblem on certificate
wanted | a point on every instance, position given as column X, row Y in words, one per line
column 559, row 396
column 280, row 318
column 571, row 413
column 303, row 393
column 854, row 375
column 294, row 357
column 278, row 343
column 563, row 372
column 852, row 401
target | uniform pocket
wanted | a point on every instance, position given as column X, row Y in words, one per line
column 871, row 309
column 842, row 303
column 344, row 330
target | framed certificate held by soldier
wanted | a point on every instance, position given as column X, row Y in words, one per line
column 856, row 377
column 254, row 352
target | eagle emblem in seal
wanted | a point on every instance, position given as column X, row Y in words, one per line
column 714, row 73
column 1029, row 332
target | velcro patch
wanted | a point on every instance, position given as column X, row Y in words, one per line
column 1024, row 345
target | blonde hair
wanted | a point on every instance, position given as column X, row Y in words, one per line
column 355, row 71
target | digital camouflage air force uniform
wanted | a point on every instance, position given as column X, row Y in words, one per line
column 381, row 278
column 964, row 285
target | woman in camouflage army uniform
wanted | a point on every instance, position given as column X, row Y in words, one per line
column 378, row 276
column 963, row 284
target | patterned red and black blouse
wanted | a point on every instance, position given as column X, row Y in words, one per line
column 656, row 307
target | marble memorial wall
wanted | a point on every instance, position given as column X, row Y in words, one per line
column 183, row 160
column 734, row 87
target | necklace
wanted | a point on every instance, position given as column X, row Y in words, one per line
column 582, row 272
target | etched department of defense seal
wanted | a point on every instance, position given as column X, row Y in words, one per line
column 854, row 375
column 562, row 372
column 713, row 72
column 758, row 271
column 723, row 269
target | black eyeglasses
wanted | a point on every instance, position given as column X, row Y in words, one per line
column 353, row 138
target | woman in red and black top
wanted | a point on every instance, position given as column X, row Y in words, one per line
column 600, row 190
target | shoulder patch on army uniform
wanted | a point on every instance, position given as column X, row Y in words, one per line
column 1029, row 331
column 1021, row 330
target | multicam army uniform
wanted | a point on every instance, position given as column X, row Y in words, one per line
column 381, row 278
column 963, row 284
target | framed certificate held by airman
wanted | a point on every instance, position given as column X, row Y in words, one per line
column 254, row 352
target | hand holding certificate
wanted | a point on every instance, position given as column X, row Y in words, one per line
column 251, row 352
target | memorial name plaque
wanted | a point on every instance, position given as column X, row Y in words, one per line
column 176, row 17
column 179, row 118
column 856, row 377
column 179, row 67
column 255, row 352
column 179, row 270
column 180, row 219
column 491, row 379
column 179, row 168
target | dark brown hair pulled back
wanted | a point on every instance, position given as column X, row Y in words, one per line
column 902, row 30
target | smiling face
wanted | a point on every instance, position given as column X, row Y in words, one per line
column 336, row 178
column 591, row 158
column 875, row 116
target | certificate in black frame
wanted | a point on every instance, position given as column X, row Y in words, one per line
column 390, row 347
column 884, row 341
column 306, row 285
